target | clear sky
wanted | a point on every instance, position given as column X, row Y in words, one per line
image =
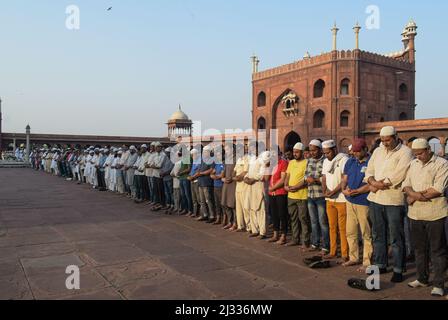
column 126, row 70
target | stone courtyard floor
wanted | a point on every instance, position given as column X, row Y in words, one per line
column 124, row 251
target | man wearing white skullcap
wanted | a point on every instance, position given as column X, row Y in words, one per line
column 92, row 171
column 121, row 173
column 385, row 174
column 316, row 143
column 193, row 176
column 130, row 171
column 143, row 168
column 155, row 164
column 149, row 173
column 100, row 170
column 255, row 203
column 332, row 173
column 425, row 185
column 316, row 199
column 81, row 164
column 299, row 146
column 54, row 162
column 88, row 166
column 139, row 176
column 328, row 144
column 297, row 195
column 216, row 176
column 388, row 131
column 167, row 180
column 113, row 170
column 205, row 183
column 107, row 168
column 239, row 172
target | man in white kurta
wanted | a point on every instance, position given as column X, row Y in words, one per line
column 255, row 194
column 108, row 168
column 94, row 163
column 88, row 166
column 149, row 172
column 129, row 168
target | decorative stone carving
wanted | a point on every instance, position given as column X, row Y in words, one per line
column 290, row 103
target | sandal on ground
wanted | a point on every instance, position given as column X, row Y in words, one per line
column 320, row 265
column 350, row 263
column 359, row 284
column 311, row 260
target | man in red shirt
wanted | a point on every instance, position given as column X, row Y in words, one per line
column 278, row 199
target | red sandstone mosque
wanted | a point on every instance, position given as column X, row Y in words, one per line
column 341, row 95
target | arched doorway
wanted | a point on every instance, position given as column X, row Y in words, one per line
column 290, row 140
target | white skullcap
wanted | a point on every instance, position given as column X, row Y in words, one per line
column 144, row 146
column 388, row 131
column 316, row 143
column 207, row 148
column 132, row 148
column 420, row 144
column 265, row 157
column 328, row 144
column 194, row 151
column 91, row 151
column 350, row 147
column 299, row 146
column 120, row 152
column 153, row 144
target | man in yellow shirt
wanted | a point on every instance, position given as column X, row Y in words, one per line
column 297, row 189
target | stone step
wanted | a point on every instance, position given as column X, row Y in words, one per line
column 13, row 164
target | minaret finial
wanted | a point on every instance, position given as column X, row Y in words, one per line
column 357, row 28
column 335, row 33
column 255, row 62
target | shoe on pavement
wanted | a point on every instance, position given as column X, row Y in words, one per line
column 397, row 277
column 437, row 292
column 417, row 284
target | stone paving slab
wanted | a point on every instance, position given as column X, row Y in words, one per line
column 124, row 251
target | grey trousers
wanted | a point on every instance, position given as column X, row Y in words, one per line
column 219, row 210
column 230, row 212
column 429, row 241
column 195, row 197
column 176, row 196
column 300, row 221
column 206, row 202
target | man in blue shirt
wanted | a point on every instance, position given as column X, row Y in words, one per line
column 217, row 175
column 206, row 187
column 356, row 192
